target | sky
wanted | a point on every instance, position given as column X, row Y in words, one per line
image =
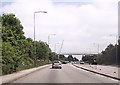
column 82, row 24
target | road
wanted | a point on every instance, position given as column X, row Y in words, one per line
column 68, row 74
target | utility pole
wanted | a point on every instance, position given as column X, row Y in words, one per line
column 34, row 35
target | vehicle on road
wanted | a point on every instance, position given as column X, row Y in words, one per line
column 64, row 62
column 82, row 62
column 57, row 64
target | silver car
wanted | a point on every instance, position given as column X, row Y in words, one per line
column 57, row 64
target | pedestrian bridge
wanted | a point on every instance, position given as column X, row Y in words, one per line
column 65, row 53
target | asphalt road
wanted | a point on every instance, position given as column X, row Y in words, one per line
column 68, row 74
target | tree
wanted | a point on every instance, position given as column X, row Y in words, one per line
column 12, row 33
column 15, row 47
column 75, row 59
column 17, row 50
column 70, row 58
column 88, row 58
column 108, row 56
column 41, row 50
column 62, row 57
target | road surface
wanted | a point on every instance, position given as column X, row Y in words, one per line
column 68, row 74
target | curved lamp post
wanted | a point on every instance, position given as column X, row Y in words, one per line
column 34, row 34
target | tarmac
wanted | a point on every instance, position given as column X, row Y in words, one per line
column 14, row 76
column 108, row 71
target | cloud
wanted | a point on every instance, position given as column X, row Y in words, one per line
column 78, row 25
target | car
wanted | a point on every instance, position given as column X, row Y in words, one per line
column 64, row 62
column 57, row 64
column 82, row 62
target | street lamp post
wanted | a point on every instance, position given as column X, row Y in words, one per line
column 34, row 34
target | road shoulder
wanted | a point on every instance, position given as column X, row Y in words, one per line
column 97, row 72
column 12, row 77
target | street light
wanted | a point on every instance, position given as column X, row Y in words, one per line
column 40, row 11
column 34, row 34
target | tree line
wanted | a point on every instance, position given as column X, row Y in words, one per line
column 19, row 52
column 110, row 56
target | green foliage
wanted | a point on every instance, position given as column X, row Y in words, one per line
column 75, row 59
column 18, row 52
column 53, row 56
column 89, row 58
column 70, row 58
column 108, row 57
column 41, row 50
column 62, row 57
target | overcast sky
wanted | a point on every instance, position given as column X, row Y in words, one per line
column 82, row 24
